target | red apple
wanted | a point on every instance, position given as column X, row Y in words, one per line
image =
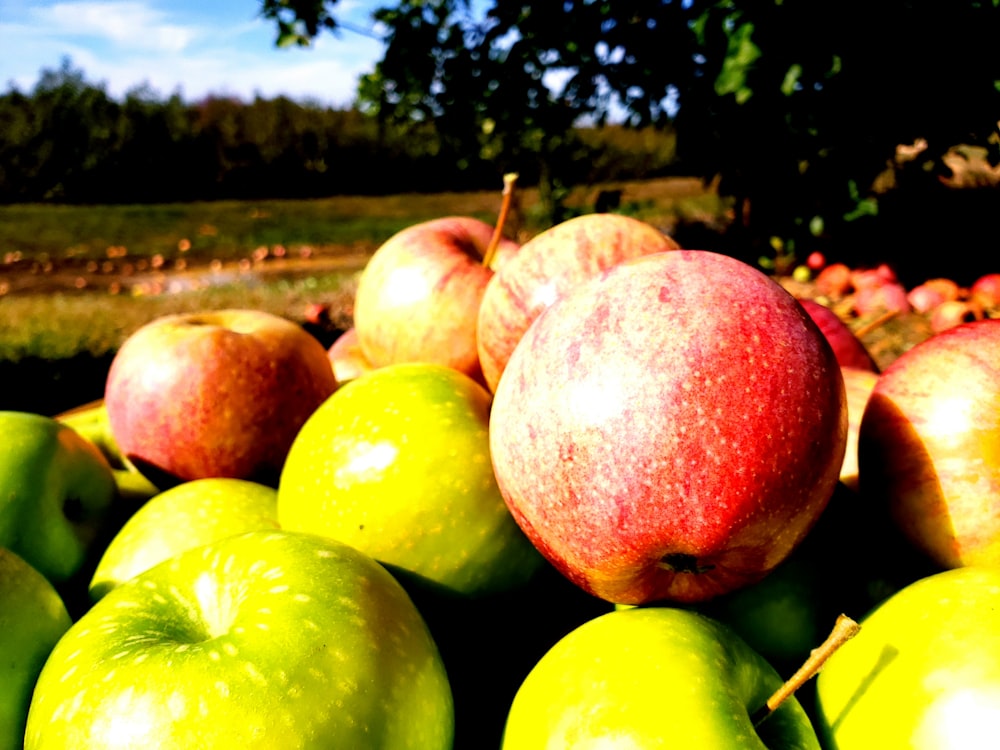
column 954, row 312
column 926, row 296
column 346, row 357
column 986, row 290
column 880, row 297
column 929, row 444
column 834, row 280
column 816, row 261
column 859, row 384
column 545, row 268
column 671, row 429
column 418, row 296
column 214, row 394
column 849, row 350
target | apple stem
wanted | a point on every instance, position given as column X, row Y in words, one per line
column 843, row 630
column 508, row 197
column 878, row 322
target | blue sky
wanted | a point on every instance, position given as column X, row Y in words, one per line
column 191, row 47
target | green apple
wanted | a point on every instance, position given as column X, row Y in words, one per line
column 923, row 672
column 269, row 639
column 652, row 677
column 56, row 490
column 397, row 464
column 182, row 517
column 91, row 421
column 33, row 618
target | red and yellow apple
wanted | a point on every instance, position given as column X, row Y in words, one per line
column 545, row 268
column 847, row 347
column 346, row 357
column 418, row 296
column 214, row 394
column 671, row 429
column 929, row 444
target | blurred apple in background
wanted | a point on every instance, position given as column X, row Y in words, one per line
column 671, row 429
column 652, row 677
column 834, row 280
column 849, row 350
column 33, row 618
column 56, row 493
column 397, row 464
column 346, row 357
column 986, row 290
column 923, row 672
column 929, row 444
column 267, row 639
column 185, row 516
column 214, row 394
column 545, row 268
column 418, row 296
column 926, row 296
column 955, row 312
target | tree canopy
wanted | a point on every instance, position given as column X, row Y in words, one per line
column 797, row 105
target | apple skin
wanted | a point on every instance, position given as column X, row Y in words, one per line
column 397, row 464
column 261, row 640
column 849, row 350
column 346, row 357
column 985, row 290
column 859, row 384
column 922, row 673
column 418, row 296
column 178, row 519
column 56, row 493
column 656, row 443
column 652, row 677
column 214, row 394
column 929, row 440
column 33, row 618
column 545, row 268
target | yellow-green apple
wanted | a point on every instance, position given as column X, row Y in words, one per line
column 859, row 384
column 346, row 357
column 671, row 429
column 545, row 268
column 214, row 394
column 847, row 347
column 260, row 640
column 185, row 516
column 652, row 677
column 922, row 673
column 56, row 493
column 418, row 296
column 397, row 464
column 929, row 441
column 33, row 618
column 91, row 421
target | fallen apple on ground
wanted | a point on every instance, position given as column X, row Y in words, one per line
column 397, row 464
column 33, row 618
column 346, row 357
column 653, row 677
column 214, row 394
column 185, row 516
column 657, row 444
column 261, row 640
column 56, row 492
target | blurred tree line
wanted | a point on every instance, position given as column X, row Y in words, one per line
column 68, row 140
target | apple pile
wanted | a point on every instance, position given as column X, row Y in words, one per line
column 593, row 490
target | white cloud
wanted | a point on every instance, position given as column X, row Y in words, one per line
column 128, row 24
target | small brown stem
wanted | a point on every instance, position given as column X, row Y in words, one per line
column 873, row 324
column 509, row 180
column 843, row 630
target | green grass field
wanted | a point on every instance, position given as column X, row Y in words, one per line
column 63, row 310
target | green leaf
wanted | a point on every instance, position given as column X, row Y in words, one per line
column 791, row 79
column 740, row 58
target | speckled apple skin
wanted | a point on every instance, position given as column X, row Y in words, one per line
column 545, row 268
column 929, row 444
column 215, row 394
column 671, row 429
column 418, row 296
